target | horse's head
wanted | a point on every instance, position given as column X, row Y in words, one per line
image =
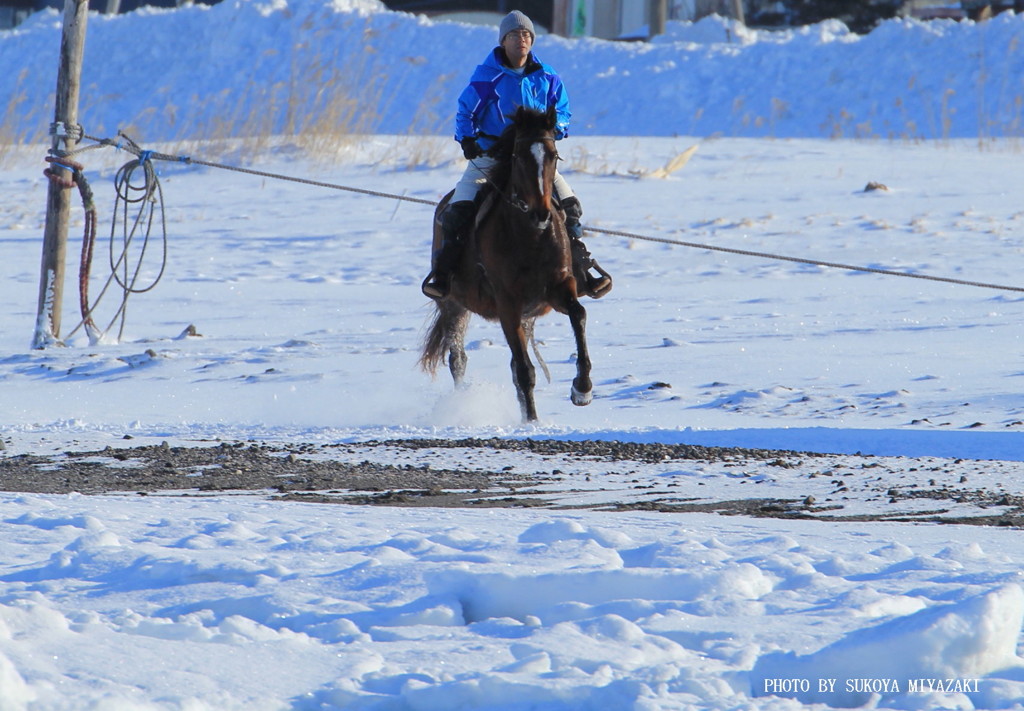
column 533, row 161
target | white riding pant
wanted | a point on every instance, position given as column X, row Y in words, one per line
column 475, row 177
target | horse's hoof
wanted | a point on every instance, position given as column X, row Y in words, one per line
column 580, row 398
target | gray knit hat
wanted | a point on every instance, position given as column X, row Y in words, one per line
column 513, row 21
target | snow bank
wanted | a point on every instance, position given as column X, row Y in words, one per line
column 196, row 604
column 947, row 649
column 249, row 66
column 15, row 694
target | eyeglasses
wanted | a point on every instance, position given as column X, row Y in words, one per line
column 520, row 34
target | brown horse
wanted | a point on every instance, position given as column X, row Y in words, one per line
column 516, row 264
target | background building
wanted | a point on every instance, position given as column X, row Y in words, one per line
column 620, row 19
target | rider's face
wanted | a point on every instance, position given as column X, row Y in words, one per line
column 517, row 46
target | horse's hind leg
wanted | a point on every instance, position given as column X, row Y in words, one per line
column 456, row 342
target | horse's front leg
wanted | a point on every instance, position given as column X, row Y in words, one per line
column 582, row 387
column 566, row 302
column 523, row 374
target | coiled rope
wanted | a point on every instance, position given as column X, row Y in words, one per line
column 77, row 178
column 145, row 157
column 141, row 194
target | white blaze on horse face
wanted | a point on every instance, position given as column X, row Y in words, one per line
column 537, row 149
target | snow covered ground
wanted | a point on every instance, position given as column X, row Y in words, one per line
column 234, row 604
column 307, row 317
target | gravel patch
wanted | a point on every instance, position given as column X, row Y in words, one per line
column 556, row 474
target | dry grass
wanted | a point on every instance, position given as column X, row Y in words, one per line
column 20, row 124
column 323, row 108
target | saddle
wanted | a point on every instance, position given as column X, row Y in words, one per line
column 582, row 261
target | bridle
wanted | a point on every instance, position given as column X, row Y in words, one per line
column 514, row 200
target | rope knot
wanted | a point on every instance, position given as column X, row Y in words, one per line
column 66, row 164
column 71, row 132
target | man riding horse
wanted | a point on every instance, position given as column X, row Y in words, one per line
column 510, row 76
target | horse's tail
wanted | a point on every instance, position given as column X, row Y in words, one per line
column 528, row 326
column 434, row 343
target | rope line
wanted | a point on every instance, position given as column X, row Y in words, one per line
column 316, row 183
column 802, row 260
column 154, row 155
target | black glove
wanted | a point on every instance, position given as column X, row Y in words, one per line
column 470, row 148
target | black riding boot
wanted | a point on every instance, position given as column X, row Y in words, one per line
column 593, row 286
column 454, row 220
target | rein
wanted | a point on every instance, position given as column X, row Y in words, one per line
column 514, row 200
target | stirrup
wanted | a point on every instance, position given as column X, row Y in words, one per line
column 598, row 286
column 436, row 289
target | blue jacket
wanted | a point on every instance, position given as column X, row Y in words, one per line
column 495, row 91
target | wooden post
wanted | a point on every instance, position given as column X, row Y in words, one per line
column 737, row 11
column 58, row 199
column 560, row 18
column 658, row 13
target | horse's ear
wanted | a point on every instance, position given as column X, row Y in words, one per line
column 551, row 116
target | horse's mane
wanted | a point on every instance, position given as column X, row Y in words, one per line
column 528, row 121
column 501, row 152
